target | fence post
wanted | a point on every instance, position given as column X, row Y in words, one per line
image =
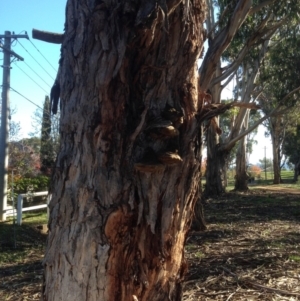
column 19, row 209
column 48, row 202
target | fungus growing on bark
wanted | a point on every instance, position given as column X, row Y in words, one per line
column 170, row 158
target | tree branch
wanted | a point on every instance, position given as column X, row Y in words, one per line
column 258, row 7
column 259, row 34
column 221, row 42
column 46, row 36
column 230, row 144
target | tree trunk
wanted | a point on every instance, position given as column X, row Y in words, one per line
column 199, row 223
column 241, row 178
column 216, row 159
column 128, row 171
column 296, row 171
column 276, row 165
column 275, row 135
column 216, row 166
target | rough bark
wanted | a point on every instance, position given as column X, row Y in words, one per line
column 128, row 172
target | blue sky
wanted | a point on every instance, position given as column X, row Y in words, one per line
column 19, row 16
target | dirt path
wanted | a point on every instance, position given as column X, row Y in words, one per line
column 277, row 189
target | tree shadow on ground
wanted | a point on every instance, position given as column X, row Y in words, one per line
column 234, row 208
column 21, row 254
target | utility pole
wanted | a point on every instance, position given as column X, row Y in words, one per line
column 5, row 114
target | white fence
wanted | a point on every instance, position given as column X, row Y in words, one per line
column 20, row 209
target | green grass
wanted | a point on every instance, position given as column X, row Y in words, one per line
column 294, row 258
column 199, row 254
column 38, row 217
column 16, row 242
column 286, row 175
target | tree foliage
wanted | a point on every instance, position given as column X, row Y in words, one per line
column 281, row 70
column 47, row 128
column 291, row 146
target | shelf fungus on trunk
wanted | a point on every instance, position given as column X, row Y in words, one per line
column 149, row 163
column 175, row 116
column 160, row 128
column 169, row 158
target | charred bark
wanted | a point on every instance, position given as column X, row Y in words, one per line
column 128, row 172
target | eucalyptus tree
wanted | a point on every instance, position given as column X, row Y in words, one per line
column 46, row 150
column 46, row 127
column 291, row 147
column 280, row 88
column 248, row 48
column 127, row 174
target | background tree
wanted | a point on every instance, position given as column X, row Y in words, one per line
column 46, row 152
column 247, row 49
column 23, row 153
column 291, row 145
column 266, row 164
column 47, row 128
column 280, row 86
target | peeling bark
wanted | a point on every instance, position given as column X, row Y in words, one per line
column 128, row 171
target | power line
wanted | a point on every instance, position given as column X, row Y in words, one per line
column 47, row 92
column 48, row 113
column 36, row 60
column 26, row 98
column 43, row 56
column 37, row 74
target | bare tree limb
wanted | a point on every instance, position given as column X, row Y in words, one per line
column 262, row 33
column 274, row 112
column 221, row 42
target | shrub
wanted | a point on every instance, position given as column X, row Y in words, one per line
column 23, row 185
column 255, row 171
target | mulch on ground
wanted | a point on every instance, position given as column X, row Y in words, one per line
column 250, row 251
column 21, row 270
